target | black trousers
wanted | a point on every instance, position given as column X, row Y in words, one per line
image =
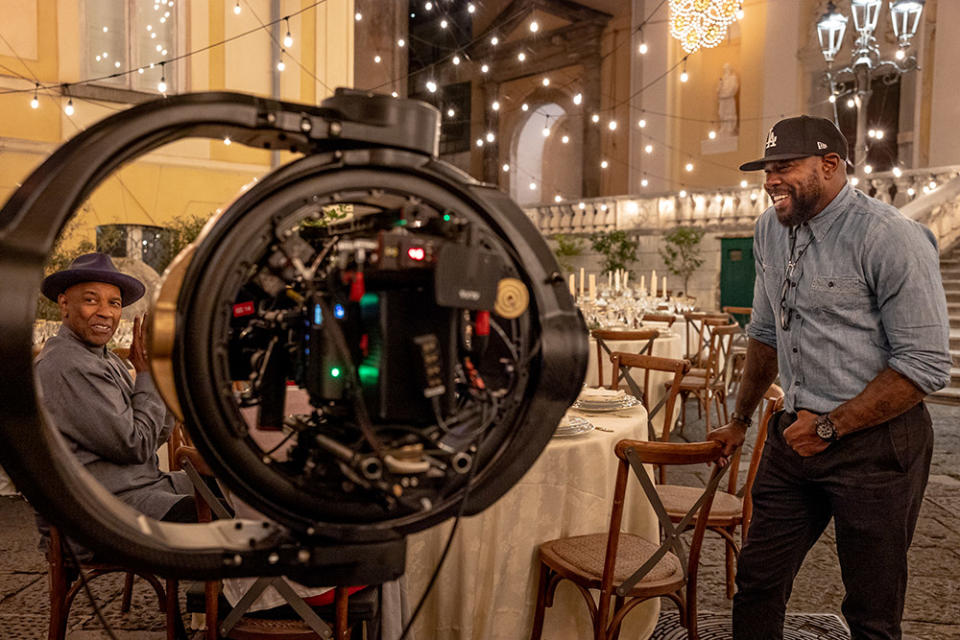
column 871, row 483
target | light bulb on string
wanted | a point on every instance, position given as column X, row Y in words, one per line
column 35, row 102
column 534, row 26
column 604, row 164
column 431, row 86
column 524, row 107
column 490, row 136
column 471, row 8
column 237, row 9
column 479, row 142
column 688, row 167
column 281, row 65
column 451, row 112
column 288, row 39
column 558, row 198
column 69, row 108
column 648, row 148
column 578, row 98
column 850, row 103
column 683, row 74
column 612, row 125
column 505, row 167
column 444, row 24
column 484, row 68
column 494, row 40
column 521, row 56
column 565, row 139
column 739, row 12
column 496, row 105
column 644, row 182
column 227, row 141
column 162, row 85
column 712, row 134
column 832, row 98
column 643, row 44
column 900, row 54
column 401, row 43
column 533, row 186
column 455, row 60
column 359, row 16
column 377, row 59
column 642, row 123
column 897, row 172
column 545, row 82
column 595, row 118
column 743, row 184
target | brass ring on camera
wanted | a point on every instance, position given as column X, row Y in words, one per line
column 513, row 298
column 162, row 330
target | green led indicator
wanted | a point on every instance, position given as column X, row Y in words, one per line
column 446, row 217
column 402, row 222
column 335, row 372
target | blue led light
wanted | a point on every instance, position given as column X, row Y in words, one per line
column 338, row 311
column 317, row 314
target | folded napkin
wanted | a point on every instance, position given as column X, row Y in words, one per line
column 602, row 395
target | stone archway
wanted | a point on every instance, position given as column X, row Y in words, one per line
column 552, row 163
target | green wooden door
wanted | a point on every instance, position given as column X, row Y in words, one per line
column 737, row 272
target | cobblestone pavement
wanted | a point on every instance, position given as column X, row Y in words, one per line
column 933, row 595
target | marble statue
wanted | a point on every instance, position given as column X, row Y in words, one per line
column 727, row 90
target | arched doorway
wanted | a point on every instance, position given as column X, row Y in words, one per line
column 546, row 166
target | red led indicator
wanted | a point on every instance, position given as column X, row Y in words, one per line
column 416, row 253
column 242, row 309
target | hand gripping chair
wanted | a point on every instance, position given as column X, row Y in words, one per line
column 733, row 506
column 626, row 568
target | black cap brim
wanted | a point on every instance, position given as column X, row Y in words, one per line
column 757, row 165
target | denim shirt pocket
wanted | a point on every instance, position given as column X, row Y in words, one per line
column 837, row 293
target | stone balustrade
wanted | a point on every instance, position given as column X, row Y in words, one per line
column 722, row 210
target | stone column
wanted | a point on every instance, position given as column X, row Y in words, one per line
column 592, row 151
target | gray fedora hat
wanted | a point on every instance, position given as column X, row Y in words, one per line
column 93, row 267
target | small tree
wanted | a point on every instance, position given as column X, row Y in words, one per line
column 682, row 253
column 567, row 247
column 617, row 248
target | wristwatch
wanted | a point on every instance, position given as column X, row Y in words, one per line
column 742, row 418
column 826, row 429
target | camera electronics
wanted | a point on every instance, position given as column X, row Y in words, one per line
column 403, row 328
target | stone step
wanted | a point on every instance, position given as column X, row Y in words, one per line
column 955, row 376
column 951, row 284
column 953, row 296
column 955, row 357
column 950, row 395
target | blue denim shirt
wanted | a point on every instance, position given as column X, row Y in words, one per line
column 868, row 295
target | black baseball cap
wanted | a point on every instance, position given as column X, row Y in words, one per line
column 798, row 138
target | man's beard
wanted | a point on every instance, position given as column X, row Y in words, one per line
column 803, row 202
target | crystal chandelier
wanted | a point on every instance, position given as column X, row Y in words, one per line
column 702, row 23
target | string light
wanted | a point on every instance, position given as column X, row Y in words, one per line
column 471, row 8
column 534, row 26
column 545, row 131
column 643, row 44
column 227, row 141
column 897, row 172
column 444, row 24
column 505, row 167
column 524, row 107
column 431, row 86
column 494, row 40
column 484, row 68
column 162, row 85
column 743, row 184
column 496, row 105
column 683, row 74
column 479, row 142
column 604, row 164
column 832, row 98
column 451, row 112
column 377, row 59
column 868, row 168
column 644, row 182
column 455, row 60
column 612, row 125
column 545, row 82
column 237, row 9
column 490, row 136
column 565, row 139
column 401, row 43
column 280, row 64
column 558, row 198
column 577, row 99
column 642, row 124
column 533, row 186
column 358, row 16
column 69, row 108
column 683, row 193
column 648, row 148
column 35, row 102
column 288, row 39
column 595, row 118
column 850, row 103
column 521, row 56
column 712, row 135
column 688, row 167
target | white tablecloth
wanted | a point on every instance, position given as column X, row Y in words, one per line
column 487, row 588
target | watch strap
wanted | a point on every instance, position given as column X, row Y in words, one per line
column 742, row 418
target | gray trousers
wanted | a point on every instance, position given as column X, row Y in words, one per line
column 871, row 483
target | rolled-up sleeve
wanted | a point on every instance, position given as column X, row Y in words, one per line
column 903, row 265
column 762, row 325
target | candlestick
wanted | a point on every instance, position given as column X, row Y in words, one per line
column 664, row 289
column 653, row 283
column 643, row 284
column 616, row 280
column 626, row 276
column 593, row 286
column 581, row 283
column 573, row 285
column 609, row 279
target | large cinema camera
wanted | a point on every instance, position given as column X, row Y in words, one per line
column 417, row 314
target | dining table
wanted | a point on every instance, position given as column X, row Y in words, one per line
column 486, row 588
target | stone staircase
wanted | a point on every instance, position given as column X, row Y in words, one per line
column 950, row 272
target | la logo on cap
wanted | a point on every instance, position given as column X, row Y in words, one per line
column 771, row 140
column 821, row 145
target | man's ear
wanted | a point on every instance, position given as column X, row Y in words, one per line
column 62, row 303
column 831, row 164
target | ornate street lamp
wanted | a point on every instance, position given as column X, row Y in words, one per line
column 865, row 60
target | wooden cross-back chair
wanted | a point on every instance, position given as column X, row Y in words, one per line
column 235, row 625
column 601, row 336
column 699, row 328
column 738, row 350
column 624, row 362
column 667, row 318
column 709, row 383
column 733, row 506
column 626, row 568
column 66, row 580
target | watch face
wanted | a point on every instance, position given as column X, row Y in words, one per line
column 825, row 429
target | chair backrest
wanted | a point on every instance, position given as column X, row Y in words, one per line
column 772, row 402
column 601, row 336
column 740, row 314
column 699, row 328
column 668, row 318
column 718, row 351
column 633, row 454
column 623, row 362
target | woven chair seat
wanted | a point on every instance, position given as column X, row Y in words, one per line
column 585, row 554
column 262, row 628
column 677, row 500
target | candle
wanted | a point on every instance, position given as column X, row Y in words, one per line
column 609, row 279
column 664, row 289
column 617, row 280
column 653, row 283
column 573, row 285
column 581, row 283
column 593, row 286
column 626, row 276
column 643, row 284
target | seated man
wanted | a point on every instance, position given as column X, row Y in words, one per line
column 112, row 423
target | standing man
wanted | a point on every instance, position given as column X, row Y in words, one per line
column 112, row 423
column 849, row 308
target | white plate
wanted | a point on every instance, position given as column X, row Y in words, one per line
column 576, row 426
column 604, row 407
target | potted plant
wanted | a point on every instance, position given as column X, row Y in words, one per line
column 617, row 250
column 681, row 254
column 567, row 247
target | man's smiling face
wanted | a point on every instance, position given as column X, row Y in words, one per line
column 92, row 311
column 797, row 188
